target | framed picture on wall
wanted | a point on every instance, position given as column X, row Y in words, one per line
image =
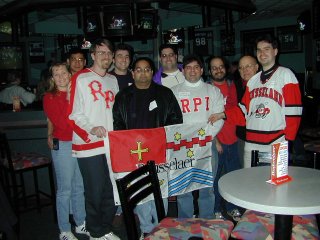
column 202, row 40
column 290, row 39
column 36, row 52
column 248, row 39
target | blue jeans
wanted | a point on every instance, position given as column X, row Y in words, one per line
column 147, row 214
column 229, row 161
column 206, row 198
column 70, row 190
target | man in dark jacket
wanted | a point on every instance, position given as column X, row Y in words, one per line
column 145, row 104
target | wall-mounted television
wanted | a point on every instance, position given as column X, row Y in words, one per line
column 5, row 31
column 117, row 21
column 92, row 24
column 11, row 56
column 5, row 27
column 304, row 22
column 175, row 37
column 147, row 23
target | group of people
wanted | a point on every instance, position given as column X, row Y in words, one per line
column 83, row 104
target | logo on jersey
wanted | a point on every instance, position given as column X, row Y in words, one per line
column 262, row 111
column 267, row 93
column 96, row 91
column 194, row 104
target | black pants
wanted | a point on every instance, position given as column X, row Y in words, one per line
column 100, row 207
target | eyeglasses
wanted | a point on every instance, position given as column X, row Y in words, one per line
column 170, row 55
column 140, row 70
column 194, row 68
column 77, row 59
column 104, row 53
column 242, row 68
column 217, row 68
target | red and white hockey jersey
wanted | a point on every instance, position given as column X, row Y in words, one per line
column 271, row 109
column 198, row 101
column 91, row 102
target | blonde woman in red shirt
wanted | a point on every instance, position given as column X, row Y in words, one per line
column 69, row 179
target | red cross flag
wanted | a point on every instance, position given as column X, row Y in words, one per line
column 133, row 147
column 182, row 154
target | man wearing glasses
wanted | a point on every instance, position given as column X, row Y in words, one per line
column 76, row 60
column 271, row 107
column 198, row 100
column 248, row 67
column 142, row 105
column 170, row 73
column 226, row 141
column 92, row 97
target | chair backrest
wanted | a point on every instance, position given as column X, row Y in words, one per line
column 260, row 158
column 5, row 154
column 135, row 187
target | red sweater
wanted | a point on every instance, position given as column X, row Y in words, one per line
column 227, row 134
column 56, row 107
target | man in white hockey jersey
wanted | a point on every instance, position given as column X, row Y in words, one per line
column 198, row 100
column 92, row 97
column 271, row 107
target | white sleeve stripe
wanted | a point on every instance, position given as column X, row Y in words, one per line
column 294, row 111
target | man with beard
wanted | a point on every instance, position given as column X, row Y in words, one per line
column 91, row 100
column 226, row 141
column 271, row 107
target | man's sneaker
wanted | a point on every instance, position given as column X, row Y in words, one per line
column 108, row 236
column 218, row 215
column 82, row 229
column 141, row 236
column 235, row 214
column 67, row 236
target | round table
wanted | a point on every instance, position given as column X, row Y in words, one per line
column 247, row 188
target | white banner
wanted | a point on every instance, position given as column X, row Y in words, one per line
column 188, row 163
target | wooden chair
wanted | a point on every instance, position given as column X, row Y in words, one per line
column 258, row 225
column 142, row 182
column 13, row 168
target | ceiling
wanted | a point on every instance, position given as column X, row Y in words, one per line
column 265, row 9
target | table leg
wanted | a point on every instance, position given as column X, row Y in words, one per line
column 283, row 227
